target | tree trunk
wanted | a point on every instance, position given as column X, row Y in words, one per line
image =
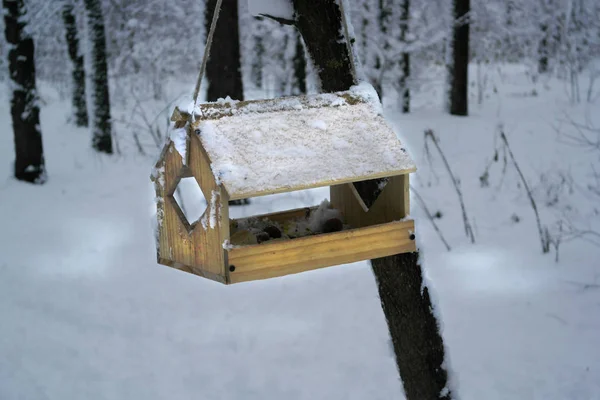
column 417, row 342
column 259, row 51
column 405, row 57
column 78, row 75
column 543, row 50
column 418, row 345
column 24, row 107
column 459, row 68
column 383, row 19
column 102, row 124
column 319, row 24
column 223, row 70
column 282, row 79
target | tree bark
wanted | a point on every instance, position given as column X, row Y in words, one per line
column 78, row 74
column 418, row 344
column 319, row 24
column 24, row 106
column 102, row 124
column 459, row 68
column 223, row 70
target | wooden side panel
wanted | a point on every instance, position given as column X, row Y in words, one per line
column 393, row 203
column 405, row 184
column 286, row 189
column 191, row 248
column 280, row 258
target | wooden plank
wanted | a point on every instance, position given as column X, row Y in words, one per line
column 278, row 258
column 282, row 216
column 189, row 270
column 257, row 193
column 393, row 203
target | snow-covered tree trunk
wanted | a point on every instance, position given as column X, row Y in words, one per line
column 405, row 56
column 101, row 124
column 223, row 70
column 320, row 26
column 418, row 344
column 79, row 103
column 24, row 107
column 459, row 65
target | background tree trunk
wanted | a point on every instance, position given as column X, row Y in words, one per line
column 223, row 70
column 256, row 72
column 24, row 107
column 299, row 86
column 102, row 124
column 418, row 344
column 78, row 75
column 405, row 56
column 384, row 8
column 543, row 50
column 459, row 68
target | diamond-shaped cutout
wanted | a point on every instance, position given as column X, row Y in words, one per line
column 190, row 199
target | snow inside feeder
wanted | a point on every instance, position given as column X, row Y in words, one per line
column 243, row 149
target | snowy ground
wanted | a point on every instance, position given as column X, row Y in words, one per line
column 86, row 313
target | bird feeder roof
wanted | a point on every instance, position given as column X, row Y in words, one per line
column 271, row 146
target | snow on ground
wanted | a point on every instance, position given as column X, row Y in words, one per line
column 86, row 313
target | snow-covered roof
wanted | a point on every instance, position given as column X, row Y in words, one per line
column 272, row 146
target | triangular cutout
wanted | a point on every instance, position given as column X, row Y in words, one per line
column 367, row 192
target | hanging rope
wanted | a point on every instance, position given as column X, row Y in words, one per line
column 209, row 40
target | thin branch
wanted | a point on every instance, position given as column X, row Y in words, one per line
column 429, row 216
column 543, row 236
column 468, row 228
column 282, row 21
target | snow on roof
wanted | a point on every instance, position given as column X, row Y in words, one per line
column 272, row 146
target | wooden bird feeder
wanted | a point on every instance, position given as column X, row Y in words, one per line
column 239, row 150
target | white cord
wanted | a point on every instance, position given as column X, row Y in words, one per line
column 209, row 41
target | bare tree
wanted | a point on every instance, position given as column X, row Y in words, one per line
column 78, row 74
column 101, row 124
column 24, row 106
